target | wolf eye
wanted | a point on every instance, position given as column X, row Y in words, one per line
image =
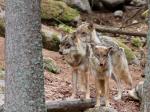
column 68, row 45
column 105, row 55
column 83, row 33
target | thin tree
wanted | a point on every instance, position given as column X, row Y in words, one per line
column 145, row 104
column 24, row 68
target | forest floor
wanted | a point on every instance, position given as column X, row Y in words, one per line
column 58, row 86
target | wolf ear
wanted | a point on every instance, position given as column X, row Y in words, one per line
column 110, row 49
column 92, row 45
column 91, row 26
column 73, row 36
column 121, row 49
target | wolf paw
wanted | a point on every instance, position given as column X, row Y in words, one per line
column 97, row 105
column 118, row 97
column 87, row 96
column 82, row 88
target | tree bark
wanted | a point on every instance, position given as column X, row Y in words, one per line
column 114, row 30
column 145, row 104
column 24, row 67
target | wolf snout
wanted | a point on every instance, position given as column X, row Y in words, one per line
column 101, row 64
column 60, row 52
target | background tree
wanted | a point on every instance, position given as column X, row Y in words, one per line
column 145, row 105
column 24, row 68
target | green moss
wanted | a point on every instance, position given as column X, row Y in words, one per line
column 55, row 43
column 66, row 28
column 50, row 66
column 58, row 10
column 129, row 53
column 145, row 14
column 136, row 42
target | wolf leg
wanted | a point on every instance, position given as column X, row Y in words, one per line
column 119, row 94
column 98, row 92
column 87, row 94
column 74, row 83
column 106, row 86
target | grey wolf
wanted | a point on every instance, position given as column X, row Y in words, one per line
column 78, row 52
column 112, row 64
column 76, row 56
column 102, row 73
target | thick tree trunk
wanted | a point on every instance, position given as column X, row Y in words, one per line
column 145, row 104
column 24, row 68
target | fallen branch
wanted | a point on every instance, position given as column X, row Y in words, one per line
column 114, row 30
column 75, row 105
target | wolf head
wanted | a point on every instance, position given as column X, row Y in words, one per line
column 86, row 32
column 102, row 53
column 73, row 49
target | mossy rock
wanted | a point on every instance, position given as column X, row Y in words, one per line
column 66, row 28
column 50, row 66
column 52, row 9
column 55, row 43
column 129, row 53
column 52, row 43
column 136, row 41
column 2, row 28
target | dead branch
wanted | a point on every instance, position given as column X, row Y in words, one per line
column 114, row 30
column 74, row 105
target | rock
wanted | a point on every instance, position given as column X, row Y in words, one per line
column 50, row 65
column 113, row 4
column 52, row 9
column 96, row 4
column 134, row 22
column 80, row 4
column 139, row 2
column 51, row 38
column 65, row 28
column 101, row 109
column 118, row 13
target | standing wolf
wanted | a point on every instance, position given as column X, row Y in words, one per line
column 112, row 64
column 78, row 52
column 76, row 55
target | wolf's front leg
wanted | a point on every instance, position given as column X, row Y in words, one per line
column 107, row 103
column 98, row 93
column 87, row 95
column 74, row 83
